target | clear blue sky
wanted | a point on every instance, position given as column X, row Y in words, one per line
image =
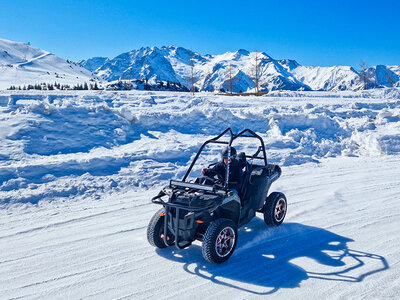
column 316, row 32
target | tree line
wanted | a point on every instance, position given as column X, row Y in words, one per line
column 56, row 86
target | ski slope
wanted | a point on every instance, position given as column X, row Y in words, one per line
column 77, row 171
column 22, row 64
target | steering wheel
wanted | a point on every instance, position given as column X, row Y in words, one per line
column 220, row 178
column 205, row 180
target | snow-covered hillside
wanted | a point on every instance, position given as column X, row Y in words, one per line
column 176, row 68
column 77, row 171
column 93, row 64
column 384, row 75
column 22, row 64
column 211, row 72
column 328, row 78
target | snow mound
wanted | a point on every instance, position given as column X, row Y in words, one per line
column 113, row 141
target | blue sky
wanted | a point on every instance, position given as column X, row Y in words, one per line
column 321, row 32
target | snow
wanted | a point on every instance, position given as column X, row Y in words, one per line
column 328, row 78
column 94, row 63
column 78, row 169
column 22, row 64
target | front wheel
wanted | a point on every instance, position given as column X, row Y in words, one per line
column 275, row 209
column 219, row 241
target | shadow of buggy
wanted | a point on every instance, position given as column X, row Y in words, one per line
column 267, row 260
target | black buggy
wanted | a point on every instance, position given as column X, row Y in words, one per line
column 208, row 211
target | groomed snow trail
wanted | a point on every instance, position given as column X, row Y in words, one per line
column 339, row 240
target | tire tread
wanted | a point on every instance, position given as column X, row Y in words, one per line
column 269, row 208
column 153, row 229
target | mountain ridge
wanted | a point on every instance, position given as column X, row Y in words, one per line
column 175, row 64
column 177, row 68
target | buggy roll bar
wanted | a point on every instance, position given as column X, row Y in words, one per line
column 244, row 133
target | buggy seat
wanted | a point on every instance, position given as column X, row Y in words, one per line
column 246, row 171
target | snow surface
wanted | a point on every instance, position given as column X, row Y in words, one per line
column 78, row 169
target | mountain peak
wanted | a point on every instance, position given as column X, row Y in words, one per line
column 243, row 52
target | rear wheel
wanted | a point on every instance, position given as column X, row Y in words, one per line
column 219, row 241
column 155, row 230
column 275, row 209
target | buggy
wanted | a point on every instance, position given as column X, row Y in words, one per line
column 208, row 211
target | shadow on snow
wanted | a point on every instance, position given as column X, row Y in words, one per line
column 266, row 260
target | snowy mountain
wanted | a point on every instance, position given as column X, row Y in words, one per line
column 381, row 75
column 177, row 68
column 328, row 78
column 22, row 64
column 94, row 63
column 148, row 64
column 233, row 69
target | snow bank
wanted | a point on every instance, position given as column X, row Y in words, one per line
column 386, row 93
column 84, row 143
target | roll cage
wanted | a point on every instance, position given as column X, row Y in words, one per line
column 174, row 221
column 217, row 140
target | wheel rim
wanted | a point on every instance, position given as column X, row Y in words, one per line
column 280, row 210
column 225, row 241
